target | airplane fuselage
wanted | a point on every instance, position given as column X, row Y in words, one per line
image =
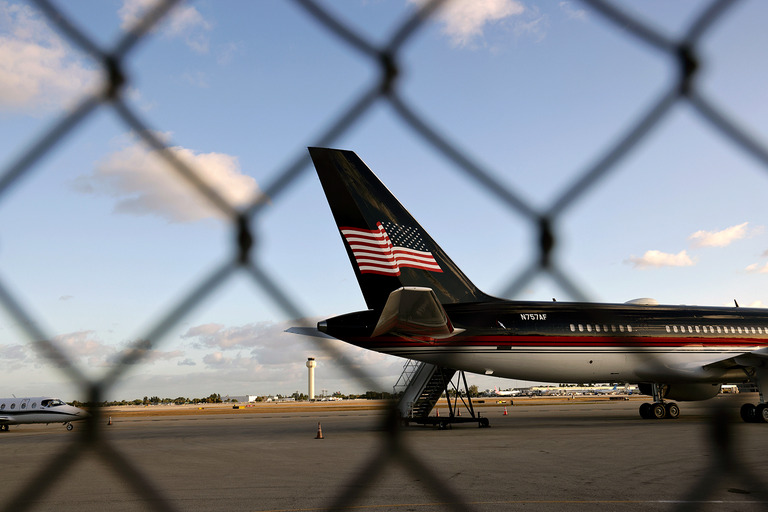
column 41, row 409
column 577, row 342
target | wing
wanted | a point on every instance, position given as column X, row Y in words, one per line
column 755, row 359
column 6, row 420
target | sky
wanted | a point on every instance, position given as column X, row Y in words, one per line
column 101, row 240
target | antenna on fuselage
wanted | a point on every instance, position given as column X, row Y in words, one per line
column 734, row 301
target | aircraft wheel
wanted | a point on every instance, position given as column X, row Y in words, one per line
column 761, row 413
column 645, row 411
column 484, row 423
column 748, row 413
column 658, row 411
column 673, row 411
column 70, row 426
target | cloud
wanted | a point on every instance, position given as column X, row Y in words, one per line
column 265, row 342
column 85, row 349
column 757, row 268
column 719, row 238
column 184, row 21
column 217, row 336
column 464, row 21
column 144, row 184
column 572, row 12
column 38, row 71
column 655, row 258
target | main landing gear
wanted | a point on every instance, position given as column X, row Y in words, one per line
column 754, row 413
column 659, row 410
column 757, row 413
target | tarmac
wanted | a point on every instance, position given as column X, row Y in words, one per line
column 550, row 455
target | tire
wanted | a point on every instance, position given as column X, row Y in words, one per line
column 748, row 413
column 658, row 411
column 645, row 411
column 761, row 413
column 673, row 411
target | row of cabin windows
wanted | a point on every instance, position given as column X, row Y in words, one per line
column 709, row 329
column 601, row 328
column 706, row 329
column 23, row 406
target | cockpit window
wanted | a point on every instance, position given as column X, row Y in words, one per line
column 51, row 402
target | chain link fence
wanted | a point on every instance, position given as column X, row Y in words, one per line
column 388, row 57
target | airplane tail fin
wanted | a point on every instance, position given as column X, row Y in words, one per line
column 388, row 249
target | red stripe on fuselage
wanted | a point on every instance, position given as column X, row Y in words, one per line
column 566, row 341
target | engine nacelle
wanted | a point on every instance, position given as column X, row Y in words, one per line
column 684, row 392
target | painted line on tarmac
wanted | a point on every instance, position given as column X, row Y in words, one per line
column 529, row 502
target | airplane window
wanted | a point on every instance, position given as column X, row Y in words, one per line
column 697, row 329
column 13, row 406
column 739, row 328
column 605, row 328
column 589, row 328
column 573, row 328
column 23, row 406
column 34, row 405
column 2, row 407
column 753, row 330
column 690, row 329
column 629, row 328
column 674, row 327
column 718, row 329
column 621, row 328
column 667, row 328
column 581, row 328
column 613, row 328
column 597, row 328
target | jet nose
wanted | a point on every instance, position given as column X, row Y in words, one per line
column 81, row 413
column 322, row 326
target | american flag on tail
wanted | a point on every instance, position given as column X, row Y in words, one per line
column 388, row 248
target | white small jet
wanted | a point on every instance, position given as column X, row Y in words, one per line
column 38, row 409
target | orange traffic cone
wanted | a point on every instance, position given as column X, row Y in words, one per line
column 438, row 413
column 458, row 412
column 110, row 421
column 319, row 432
column 505, row 410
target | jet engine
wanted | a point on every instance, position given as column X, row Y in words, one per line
column 684, row 392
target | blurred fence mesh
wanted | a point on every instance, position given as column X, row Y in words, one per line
column 388, row 57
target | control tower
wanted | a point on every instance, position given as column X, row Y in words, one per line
column 311, row 367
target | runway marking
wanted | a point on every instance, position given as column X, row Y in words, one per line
column 530, row 502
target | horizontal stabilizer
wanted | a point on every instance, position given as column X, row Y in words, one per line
column 414, row 311
column 308, row 331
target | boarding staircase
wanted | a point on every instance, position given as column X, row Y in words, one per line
column 423, row 384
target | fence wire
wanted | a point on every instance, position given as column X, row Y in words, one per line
column 388, row 57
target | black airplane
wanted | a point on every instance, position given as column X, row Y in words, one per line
column 421, row 306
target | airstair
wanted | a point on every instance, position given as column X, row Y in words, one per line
column 423, row 384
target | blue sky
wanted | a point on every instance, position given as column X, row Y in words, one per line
column 97, row 243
